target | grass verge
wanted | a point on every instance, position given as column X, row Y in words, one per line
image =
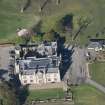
column 88, row 95
column 45, row 94
column 97, row 72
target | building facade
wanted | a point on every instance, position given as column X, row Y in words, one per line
column 40, row 69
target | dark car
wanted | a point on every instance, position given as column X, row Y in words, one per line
column 11, row 52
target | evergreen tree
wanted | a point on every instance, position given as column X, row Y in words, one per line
column 7, row 95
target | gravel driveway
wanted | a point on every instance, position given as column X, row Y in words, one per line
column 4, row 56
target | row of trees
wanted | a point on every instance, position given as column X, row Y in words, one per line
column 38, row 37
column 26, row 3
column 64, row 25
column 12, row 93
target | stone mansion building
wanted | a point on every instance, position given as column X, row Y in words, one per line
column 37, row 63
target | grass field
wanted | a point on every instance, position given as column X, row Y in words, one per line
column 87, row 95
column 97, row 72
column 11, row 18
column 45, row 94
column 55, row 103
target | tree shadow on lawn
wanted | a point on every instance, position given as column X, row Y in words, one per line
column 37, row 27
column 26, row 5
column 66, row 61
column 66, row 55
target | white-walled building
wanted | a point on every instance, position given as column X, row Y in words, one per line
column 39, row 64
column 40, row 71
column 96, row 46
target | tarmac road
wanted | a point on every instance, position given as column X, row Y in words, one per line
column 77, row 70
column 78, row 66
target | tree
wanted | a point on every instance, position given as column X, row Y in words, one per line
column 24, row 5
column 50, row 36
column 57, row 2
column 66, row 23
column 7, row 95
column 83, row 23
column 25, row 34
column 43, row 5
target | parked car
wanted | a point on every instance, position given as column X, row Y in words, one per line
column 11, row 52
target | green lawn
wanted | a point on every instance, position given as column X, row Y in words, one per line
column 11, row 18
column 45, row 94
column 87, row 95
column 97, row 72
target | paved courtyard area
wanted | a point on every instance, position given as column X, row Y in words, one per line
column 49, row 86
column 4, row 56
column 76, row 72
column 78, row 67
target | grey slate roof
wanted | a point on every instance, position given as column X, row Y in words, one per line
column 42, row 65
column 94, row 45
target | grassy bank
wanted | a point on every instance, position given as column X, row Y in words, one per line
column 97, row 72
column 88, row 95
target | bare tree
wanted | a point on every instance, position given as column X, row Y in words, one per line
column 83, row 24
column 57, row 2
column 43, row 5
column 24, row 5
